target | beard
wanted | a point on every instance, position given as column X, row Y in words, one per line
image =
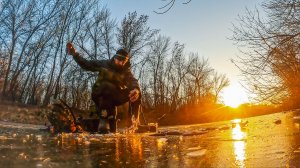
column 118, row 67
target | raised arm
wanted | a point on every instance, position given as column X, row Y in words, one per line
column 89, row 65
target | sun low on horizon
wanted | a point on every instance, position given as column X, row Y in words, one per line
column 234, row 95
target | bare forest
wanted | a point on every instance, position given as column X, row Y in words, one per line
column 36, row 70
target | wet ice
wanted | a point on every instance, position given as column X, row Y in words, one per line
column 258, row 142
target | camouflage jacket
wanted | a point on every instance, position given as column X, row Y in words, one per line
column 106, row 71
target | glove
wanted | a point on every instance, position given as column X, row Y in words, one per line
column 70, row 49
column 134, row 95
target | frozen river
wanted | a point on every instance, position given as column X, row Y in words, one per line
column 264, row 141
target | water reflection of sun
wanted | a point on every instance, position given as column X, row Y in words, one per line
column 239, row 145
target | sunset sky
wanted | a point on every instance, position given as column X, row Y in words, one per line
column 202, row 25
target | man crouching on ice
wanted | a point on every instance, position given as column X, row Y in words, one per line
column 114, row 86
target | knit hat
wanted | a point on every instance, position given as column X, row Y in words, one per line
column 122, row 54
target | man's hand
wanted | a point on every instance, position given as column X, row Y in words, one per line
column 134, row 95
column 70, row 49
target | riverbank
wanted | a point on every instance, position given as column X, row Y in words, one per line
column 26, row 114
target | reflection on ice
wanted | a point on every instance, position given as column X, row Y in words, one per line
column 237, row 133
column 239, row 144
column 236, row 146
column 161, row 142
column 239, row 150
column 236, row 121
column 135, row 146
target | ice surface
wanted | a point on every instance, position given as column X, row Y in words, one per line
column 258, row 143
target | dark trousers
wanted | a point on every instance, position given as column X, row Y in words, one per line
column 107, row 96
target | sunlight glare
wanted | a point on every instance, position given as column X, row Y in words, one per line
column 236, row 121
column 234, row 95
column 239, row 144
column 237, row 134
column 239, row 150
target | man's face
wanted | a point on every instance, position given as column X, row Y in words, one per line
column 119, row 62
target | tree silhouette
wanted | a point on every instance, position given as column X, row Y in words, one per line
column 270, row 51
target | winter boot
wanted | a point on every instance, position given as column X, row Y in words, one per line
column 112, row 114
column 102, row 127
column 112, row 124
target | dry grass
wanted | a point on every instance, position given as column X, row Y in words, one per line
column 13, row 112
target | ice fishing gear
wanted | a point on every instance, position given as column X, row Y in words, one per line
column 63, row 119
column 139, row 128
column 70, row 110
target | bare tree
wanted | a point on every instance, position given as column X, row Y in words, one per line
column 156, row 58
column 219, row 82
column 3, row 64
column 34, row 34
column 20, row 21
column 177, row 69
column 270, row 49
column 134, row 34
column 97, row 39
column 198, row 82
column 67, row 26
column 168, row 5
